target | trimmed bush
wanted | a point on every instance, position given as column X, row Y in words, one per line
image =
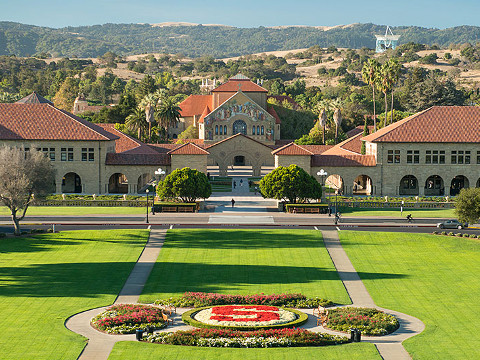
column 198, row 299
column 126, row 318
column 459, row 234
column 443, row 233
column 451, row 233
column 188, row 318
column 368, row 321
column 257, row 338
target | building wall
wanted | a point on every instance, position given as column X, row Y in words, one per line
column 132, row 173
column 303, row 161
column 198, row 162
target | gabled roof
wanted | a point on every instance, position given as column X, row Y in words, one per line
column 188, row 149
column 126, row 143
column 205, row 112
column 239, row 82
column 137, row 159
column 438, row 124
column 292, row 149
column 343, row 160
column 46, row 122
column 234, row 136
column 195, row 105
column 34, row 98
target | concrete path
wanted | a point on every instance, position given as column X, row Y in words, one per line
column 389, row 346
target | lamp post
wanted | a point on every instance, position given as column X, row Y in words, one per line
column 322, row 173
column 159, row 172
column 336, row 207
column 147, row 191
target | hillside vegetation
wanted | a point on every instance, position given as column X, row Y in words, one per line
column 218, row 41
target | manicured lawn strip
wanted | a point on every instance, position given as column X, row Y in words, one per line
column 77, row 210
column 416, row 213
column 244, row 262
column 47, row 278
column 145, row 351
column 431, row 277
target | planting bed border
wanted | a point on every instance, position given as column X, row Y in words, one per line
column 187, row 318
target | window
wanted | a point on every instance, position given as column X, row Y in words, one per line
column 435, row 157
column 70, row 154
column 258, row 130
column 224, row 129
column 253, row 130
column 88, row 154
column 52, row 154
column 216, row 129
column 63, row 154
column 478, row 157
column 262, row 130
column 221, row 130
column 461, row 157
column 393, row 156
column 413, row 156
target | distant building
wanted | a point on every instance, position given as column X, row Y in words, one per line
column 387, row 41
column 80, row 105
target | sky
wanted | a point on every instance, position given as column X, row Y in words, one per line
column 244, row 13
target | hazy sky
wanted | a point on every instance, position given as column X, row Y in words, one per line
column 244, row 13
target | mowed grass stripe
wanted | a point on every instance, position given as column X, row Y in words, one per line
column 46, row 278
column 244, row 262
column 434, row 278
column 135, row 350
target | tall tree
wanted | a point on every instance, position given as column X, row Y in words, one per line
column 394, row 73
column 370, row 73
column 149, row 104
column 168, row 113
column 365, row 133
column 337, row 117
column 24, row 176
column 383, row 81
column 136, row 121
column 322, row 121
column 467, row 205
column 185, row 184
column 65, row 96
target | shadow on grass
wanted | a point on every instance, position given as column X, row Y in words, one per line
column 242, row 239
column 181, row 277
column 49, row 242
column 64, row 279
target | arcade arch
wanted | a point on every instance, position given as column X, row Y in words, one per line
column 362, row 185
column 408, row 185
column 118, row 184
column 458, row 183
column 334, row 182
column 434, row 186
column 71, row 183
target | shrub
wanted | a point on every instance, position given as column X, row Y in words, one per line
column 256, row 338
column 459, row 234
column 198, row 299
column 435, row 233
column 368, row 321
column 473, row 236
column 2, row 235
column 451, row 233
column 126, row 318
column 443, row 233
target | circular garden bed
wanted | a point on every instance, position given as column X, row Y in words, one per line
column 126, row 318
column 369, row 321
column 244, row 317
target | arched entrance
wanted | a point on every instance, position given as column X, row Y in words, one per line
column 239, row 126
column 71, row 183
column 142, row 182
column 434, row 186
column 118, row 184
column 458, row 183
column 333, row 183
column 239, row 160
column 362, row 185
column 408, row 185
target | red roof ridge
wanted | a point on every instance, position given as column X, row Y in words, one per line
column 188, row 149
column 292, row 149
column 205, row 112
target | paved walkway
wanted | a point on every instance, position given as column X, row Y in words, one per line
column 100, row 345
column 389, row 346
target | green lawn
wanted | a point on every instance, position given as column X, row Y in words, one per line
column 435, row 278
column 244, row 262
column 145, row 351
column 416, row 213
column 77, row 210
column 47, row 278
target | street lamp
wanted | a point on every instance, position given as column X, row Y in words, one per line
column 322, row 173
column 147, row 191
column 159, row 172
column 336, row 207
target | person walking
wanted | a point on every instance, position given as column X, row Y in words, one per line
column 233, row 203
column 234, row 184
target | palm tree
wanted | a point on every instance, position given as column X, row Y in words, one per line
column 168, row 113
column 337, row 117
column 322, row 121
column 149, row 104
column 136, row 121
column 394, row 73
column 384, row 84
column 370, row 72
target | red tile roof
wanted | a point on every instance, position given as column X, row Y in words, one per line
column 163, row 148
column 45, row 122
column 242, row 84
column 292, row 149
column 205, row 112
column 438, row 124
column 343, row 161
column 316, row 149
column 199, row 142
column 34, row 98
column 188, row 149
column 272, row 112
column 125, row 142
column 195, row 105
column 233, row 136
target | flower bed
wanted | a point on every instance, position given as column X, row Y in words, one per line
column 246, row 317
column 126, row 318
column 198, row 299
column 368, row 321
column 257, row 338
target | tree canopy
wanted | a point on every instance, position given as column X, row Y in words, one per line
column 291, row 183
column 186, row 185
column 23, row 177
column 467, row 205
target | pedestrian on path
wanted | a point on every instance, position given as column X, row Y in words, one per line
column 241, row 182
column 233, row 203
column 234, row 184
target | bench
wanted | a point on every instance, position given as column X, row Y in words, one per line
column 185, row 209
column 315, row 210
column 169, row 209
